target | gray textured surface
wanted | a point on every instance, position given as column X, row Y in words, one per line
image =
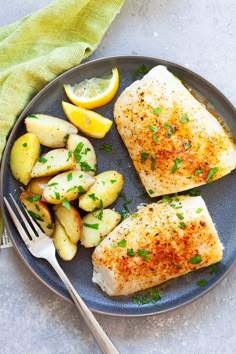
column 202, row 36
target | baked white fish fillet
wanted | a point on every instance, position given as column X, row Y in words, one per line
column 157, row 243
column 174, row 141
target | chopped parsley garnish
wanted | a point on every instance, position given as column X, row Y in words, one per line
column 153, row 162
column 121, row 243
column 113, row 181
column 49, row 226
column 182, row 225
column 106, row 147
column 180, row 216
column 52, row 184
column 86, row 150
column 32, row 116
column 144, row 156
column 152, row 295
column 155, row 138
column 42, row 159
column 126, row 201
column 135, row 215
column 198, row 171
column 211, row 173
column 174, row 206
column 91, row 226
column 74, row 188
column 66, row 204
column 144, row 254
column 194, row 192
column 166, row 199
column 214, row 268
column 177, row 164
column 199, row 210
column 99, row 216
column 81, row 190
column 170, row 129
column 69, row 177
column 93, row 196
column 202, row 282
column 130, row 252
column 77, row 152
column 25, row 145
column 136, row 300
column 86, row 167
column 33, row 198
column 157, row 110
column 151, row 191
column 57, row 195
column 186, row 145
column 184, row 119
column 152, row 128
column 124, row 214
column 35, row 216
column 196, row 259
column 66, row 138
column 69, row 155
column 37, row 207
column 142, row 70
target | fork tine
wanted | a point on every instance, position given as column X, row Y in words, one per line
column 17, row 223
column 29, row 228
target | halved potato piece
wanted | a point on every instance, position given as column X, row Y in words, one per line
column 66, row 249
column 84, row 153
column 71, row 221
column 36, row 185
column 51, row 131
column 53, row 162
column 105, row 191
column 97, row 225
column 24, row 153
column 39, row 211
column 68, row 185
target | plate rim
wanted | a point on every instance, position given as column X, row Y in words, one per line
column 160, row 61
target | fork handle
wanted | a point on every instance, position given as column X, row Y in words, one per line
column 103, row 341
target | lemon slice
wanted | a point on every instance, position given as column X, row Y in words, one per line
column 95, row 92
column 88, row 122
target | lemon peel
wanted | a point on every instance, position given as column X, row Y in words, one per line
column 94, row 92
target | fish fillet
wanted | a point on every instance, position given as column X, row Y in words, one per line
column 161, row 241
column 174, row 141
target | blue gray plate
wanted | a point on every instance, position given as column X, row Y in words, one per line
column 220, row 196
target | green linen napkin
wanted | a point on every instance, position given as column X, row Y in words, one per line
column 41, row 46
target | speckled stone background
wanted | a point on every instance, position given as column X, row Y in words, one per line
column 200, row 35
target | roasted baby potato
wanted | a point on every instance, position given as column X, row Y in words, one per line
column 67, row 185
column 70, row 219
column 53, row 162
column 36, row 185
column 104, row 191
column 38, row 210
column 24, row 153
column 97, row 225
column 66, row 249
column 84, row 153
column 51, row 131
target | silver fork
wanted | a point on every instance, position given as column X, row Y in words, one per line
column 41, row 246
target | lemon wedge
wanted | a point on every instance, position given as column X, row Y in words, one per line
column 88, row 122
column 95, row 92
